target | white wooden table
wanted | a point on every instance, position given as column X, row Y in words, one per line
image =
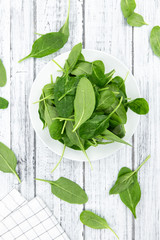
column 99, row 25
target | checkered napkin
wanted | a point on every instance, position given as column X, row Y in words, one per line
column 22, row 220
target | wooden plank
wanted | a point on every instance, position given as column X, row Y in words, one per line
column 106, row 30
column 7, row 180
column 51, row 15
column 22, row 137
column 147, row 139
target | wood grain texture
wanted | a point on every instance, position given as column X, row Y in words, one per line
column 99, row 25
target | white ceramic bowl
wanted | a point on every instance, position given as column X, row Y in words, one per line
column 94, row 153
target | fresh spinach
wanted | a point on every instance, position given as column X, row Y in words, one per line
column 139, row 106
column 55, row 129
column 8, row 161
column 84, row 95
column 74, row 57
column 82, row 68
column 108, row 135
column 3, row 103
column 106, row 99
column 128, row 7
column 3, row 76
column 155, row 40
column 67, row 190
column 50, row 42
column 93, row 127
column 92, row 220
column 132, row 195
column 136, row 20
column 125, row 180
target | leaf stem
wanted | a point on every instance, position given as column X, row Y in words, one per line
column 42, row 99
column 113, row 232
column 64, row 125
column 142, row 164
column 59, row 159
column 63, row 119
column 124, row 80
column 58, row 65
column 103, row 89
column 17, row 177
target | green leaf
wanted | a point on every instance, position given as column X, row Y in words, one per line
column 41, row 111
column 119, row 131
column 100, row 65
column 131, row 197
column 50, row 42
column 3, row 76
column 93, row 127
column 82, row 68
column 8, row 161
column 76, row 140
column 155, row 40
column 139, row 106
column 124, row 181
column 92, row 220
column 48, row 90
column 73, row 57
column 97, row 77
column 55, row 129
column 108, row 76
column 128, row 7
column 106, row 99
column 64, row 106
column 108, row 135
column 84, row 102
column 67, row 190
column 3, row 103
column 49, row 114
column 136, row 20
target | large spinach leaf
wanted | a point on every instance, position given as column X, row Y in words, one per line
column 3, row 76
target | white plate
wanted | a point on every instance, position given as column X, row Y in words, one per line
column 94, row 153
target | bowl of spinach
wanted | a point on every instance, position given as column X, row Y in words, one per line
column 85, row 104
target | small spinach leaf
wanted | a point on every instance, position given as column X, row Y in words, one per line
column 155, row 40
column 50, row 42
column 136, row 20
column 67, row 190
column 73, row 57
column 97, row 77
column 106, row 99
column 3, row 76
column 93, row 127
column 3, row 103
column 84, row 95
column 82, row 68
column 139, row 106
column 111, row 136
column 8, row 161
column 55, row 129
column 41, row 111
column 128, row 7
column 119, row 131
column 92, row 220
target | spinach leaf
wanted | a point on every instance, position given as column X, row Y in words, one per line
column 76, row 140
column 128, row 7
column 82, row 68
column 132, row 195
column 73, row 57
column 55, row 129
column 48, row 90
column 84, row 95
column 100, row 65
column 125, row 180
column 136, row 20
column 67, row 190
column 139, row 106
column 106, row 99
column 92, row 220
column 64, row 106
column 8, row 161
column 3, row 103
column 108, row 135
column 108, row 76
column 120, row 115
column 50, row 42
column 97, row 77
column 155, row 40
column 93, row 127
column 119, row 131
column 3, row 76
column 41, row 111
column 49, row 114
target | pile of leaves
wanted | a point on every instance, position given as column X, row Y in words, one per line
column 86, row 106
